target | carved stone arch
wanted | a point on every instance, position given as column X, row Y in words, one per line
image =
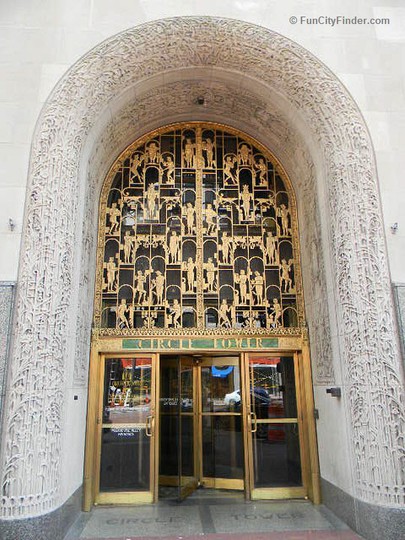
column 272, row 88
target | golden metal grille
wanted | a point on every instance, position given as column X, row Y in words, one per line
column 198, row 232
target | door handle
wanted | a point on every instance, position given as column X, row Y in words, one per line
column 149, row 426
column 253, row 420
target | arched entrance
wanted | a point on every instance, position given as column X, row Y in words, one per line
column 265, row 85
column 199, row 329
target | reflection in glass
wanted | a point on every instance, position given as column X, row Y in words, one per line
column 276, row 455
column 276, row 450
column 272, row 387
column 127, row 390
column 222, row 446
column 220, row 388
column 125, row 446
column 125, row 465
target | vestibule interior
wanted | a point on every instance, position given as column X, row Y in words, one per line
column 205, row 423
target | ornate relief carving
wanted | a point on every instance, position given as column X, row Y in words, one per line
column 34, row 412
column 152, row 244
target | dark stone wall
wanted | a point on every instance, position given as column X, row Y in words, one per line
column 371, row 521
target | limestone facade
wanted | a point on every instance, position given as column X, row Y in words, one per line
column 274, row 89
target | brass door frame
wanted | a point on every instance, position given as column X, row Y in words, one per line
column 306, row 429
column 193, row 482
column 217, row 482
column 92, row 494
column 308, row 441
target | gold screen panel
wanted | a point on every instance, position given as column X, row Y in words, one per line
column 198, row 231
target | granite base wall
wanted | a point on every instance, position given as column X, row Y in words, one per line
column 371, row 521
column 52, row 526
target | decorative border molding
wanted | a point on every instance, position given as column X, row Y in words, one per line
column 49, row 302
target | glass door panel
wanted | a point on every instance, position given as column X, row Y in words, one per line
column 221, row 423
column 188, row 480
column 275, row 430
column 127, row 425
column 169, row 424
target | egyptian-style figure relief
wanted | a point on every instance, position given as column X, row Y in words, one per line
column 189, row 223
column 130, row 247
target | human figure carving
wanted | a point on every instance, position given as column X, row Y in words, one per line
column 189, row 213
column 135, row 164
column 122, row 311
column 190, row 267
column 226, row 248
column 208, row 148
column 174, row 248
column 131, row 311
column 140, row 282
column 152, row 153
column 112, row 270
column 114, row 213
column 258, row 287
column 169, row 169
column 158, row 286
column 246, row 198
column 223, row 313
column 271, row 249
column 245, row 155
column 210, row 215
column 286, row 280
column 229, row 164
column 210, row 270
column 262, row 169
column 152, row 198
column 189, row 154
column 276, row 312
column 175, row 312
column 241, row 279
column 284, row 213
